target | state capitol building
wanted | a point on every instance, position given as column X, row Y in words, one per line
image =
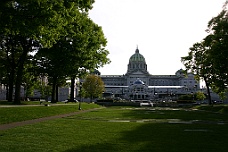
column 139, row 84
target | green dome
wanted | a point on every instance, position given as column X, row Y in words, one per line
column 137, row 57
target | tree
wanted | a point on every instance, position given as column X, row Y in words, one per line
column 85, row 43
column 93, row 86
column 4, row 72
column 29, row 23
column 81, row 51
column 199, row 64
column 200, row 96
column 44, row 89
column 52, row 66
column 30, row 81
column 20, row 30
column 207, row 59
column 87, row 50
column 217, row 42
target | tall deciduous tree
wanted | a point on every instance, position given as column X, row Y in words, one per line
column 217, row 41
column 81, row 48
column 199, row 64
column 34, row 21
column 208, row 59
column 92, row 51
column 52, row 64
column 93, row 86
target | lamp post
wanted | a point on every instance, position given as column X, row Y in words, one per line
column 80, row 89
column 193, row 96
column 171, row 94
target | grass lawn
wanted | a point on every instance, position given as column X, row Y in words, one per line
column 5, row 102
column 21, row 113
column 117, row 129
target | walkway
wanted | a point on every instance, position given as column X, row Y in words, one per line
column 28, row 122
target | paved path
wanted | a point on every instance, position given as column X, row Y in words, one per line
column 27, row 122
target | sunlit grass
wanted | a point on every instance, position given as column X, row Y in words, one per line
column 5, row 102
column 21, row 113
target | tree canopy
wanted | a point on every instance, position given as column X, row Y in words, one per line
column 61, row 28
column 208, row 59
column 198, row 63
column 93, row 86
column 217, row 42
column 82, row 49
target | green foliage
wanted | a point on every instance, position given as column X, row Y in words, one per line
column 217, row 41
column 24, row 26
column 187, row 97
column 45, row 90
column 93, row 86
column 200, row 96
column 58, row 27
column 29, row 81
column 207, row 59
column 192, row 97
column 81, row 48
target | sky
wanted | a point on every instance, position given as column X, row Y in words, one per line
column 163, row 30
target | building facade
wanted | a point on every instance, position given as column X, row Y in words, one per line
column 139, row 84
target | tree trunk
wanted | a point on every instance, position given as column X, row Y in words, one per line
column 7, row 91
column 91, row 99
column 72, row 88
column 208, row 91
column 10, row 86
column 19, row 76
column 53, row 93
column 11, row 77
column 11, row 72
column 57, row 93
column 27, row 47
column 25, row 93
column 17, row 98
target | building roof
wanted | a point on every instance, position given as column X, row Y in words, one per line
column 138, row 81
column 156, row 87
column 168, row 87
column 137, row 57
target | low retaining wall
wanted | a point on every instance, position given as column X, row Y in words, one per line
column 137, row 104
column 118, row 104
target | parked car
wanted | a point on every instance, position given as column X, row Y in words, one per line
column 217, row 102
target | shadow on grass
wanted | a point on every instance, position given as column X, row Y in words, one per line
column 177, row 137
column 181, row 114
column 164, row 137
column 102, row 147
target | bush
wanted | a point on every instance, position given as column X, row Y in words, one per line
column 105, row 100
column 185, row 101
column 188, row 97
